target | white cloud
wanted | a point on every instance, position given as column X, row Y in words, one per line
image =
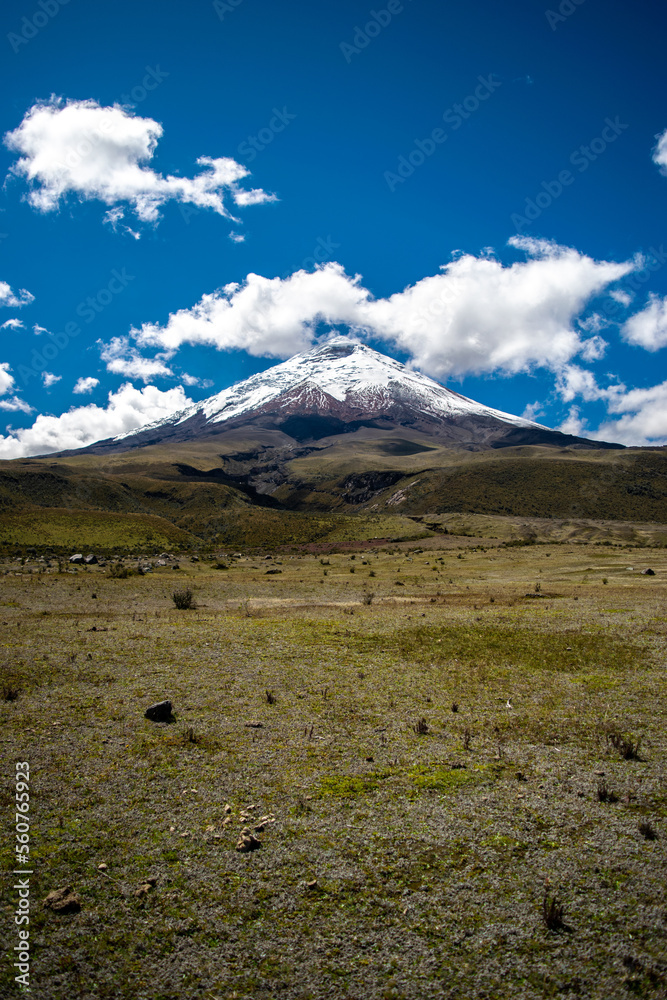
column 123, row 359
column 84, row 385
column 103, row 153
column 11, row 404
column 6, row 378
column 189, row 379
column 533, row 410
column 127, row 409
column 38, row 330
column 476, row 316
column 660, row 152
column 648, row 328
column 479, row 316
column 14, row 404
column 267, row 317
column 644, row 419
column 620, row 295
column 12, row 324
column 48, row 378
column 9, row 298
column 574, row 424
column 573, row 381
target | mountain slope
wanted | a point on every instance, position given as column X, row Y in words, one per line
column 337, row 388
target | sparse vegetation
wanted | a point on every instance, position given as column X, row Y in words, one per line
column 553, row 913
column 306, row 719
column 626, row 746
column 183, row 599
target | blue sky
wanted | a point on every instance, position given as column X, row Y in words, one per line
column 392, row 153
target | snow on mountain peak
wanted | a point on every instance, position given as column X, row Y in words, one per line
column 347, row 371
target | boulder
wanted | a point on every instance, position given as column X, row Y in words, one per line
column 648, row 572
column 90, row 559
column 160, row 712
column 76, row 558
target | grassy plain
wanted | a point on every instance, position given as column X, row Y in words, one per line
column 394, row 863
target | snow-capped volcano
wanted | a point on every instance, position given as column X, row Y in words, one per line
column 337, row 386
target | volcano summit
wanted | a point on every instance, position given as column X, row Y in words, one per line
column 340, row 387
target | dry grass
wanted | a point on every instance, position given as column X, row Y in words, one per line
column 394, row 862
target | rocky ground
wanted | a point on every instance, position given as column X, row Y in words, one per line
column 445, row 768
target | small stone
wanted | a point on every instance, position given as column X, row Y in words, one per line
column 260, row 828
column 227, row 820
column 160, row 712
column 63, row 901
column 247, row 842
column 600, row 774
column 227, row 808
column 648, row 572
column 254, row 725
column 312, row 884
column 102, row 867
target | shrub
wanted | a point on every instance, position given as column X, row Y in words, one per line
column 605, row 794
column 421, row 726
column 368, row 597
column 627, row 747
column 118, row 572
column 552, row 913
column 183, row 599
column 647, row 830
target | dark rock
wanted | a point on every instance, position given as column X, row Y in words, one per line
column 76, row 558
column 648, row 572
column 160, row 712
column 90, row 559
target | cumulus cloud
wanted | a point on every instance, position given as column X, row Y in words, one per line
column 573, row 381
column 49, row 379
column 14, row 404
column 11, row 404
column 660, row 152
column 10, row 298
column 104, row 153
column 574, row 423
column 127, row 409
column 643, row 420
column 648, row 328
column 123, row 359
column 476, row 316
column 480, row 316
column 267, row 317
column 12, row 324
column 6, row 378
column 84, row 385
